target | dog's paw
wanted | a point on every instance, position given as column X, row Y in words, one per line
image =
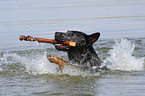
column 57, row 60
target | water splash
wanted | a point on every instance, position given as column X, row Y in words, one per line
column 122, row 59
column 39, row 64
column 35, row 62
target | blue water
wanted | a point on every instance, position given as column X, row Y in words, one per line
column 25, row 70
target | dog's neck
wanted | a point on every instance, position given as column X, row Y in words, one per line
column 86, row 57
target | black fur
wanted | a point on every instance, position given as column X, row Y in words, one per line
column 83, row 53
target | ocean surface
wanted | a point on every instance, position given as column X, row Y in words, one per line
column 25, row 70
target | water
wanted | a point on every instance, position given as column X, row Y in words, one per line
column 25, row 70
column 121, row 57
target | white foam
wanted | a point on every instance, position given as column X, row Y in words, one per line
column 35, row 65
column 122, row 59
column 39, row 64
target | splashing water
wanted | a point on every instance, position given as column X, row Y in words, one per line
column 122, row 59
column 39, row 64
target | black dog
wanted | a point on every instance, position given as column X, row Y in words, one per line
column 83, row 53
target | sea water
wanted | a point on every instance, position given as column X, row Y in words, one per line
column 25, row 70
column 34, row 64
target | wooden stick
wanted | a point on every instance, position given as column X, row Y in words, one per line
column 52, row 41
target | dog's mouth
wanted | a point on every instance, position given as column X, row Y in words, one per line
column 62, row 46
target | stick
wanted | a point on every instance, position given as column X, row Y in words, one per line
column 52, row 41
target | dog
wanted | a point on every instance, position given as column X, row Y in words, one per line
column 83, row 54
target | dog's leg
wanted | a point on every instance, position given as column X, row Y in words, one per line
column 57, row 60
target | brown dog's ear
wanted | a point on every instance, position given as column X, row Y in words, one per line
column 93, row 37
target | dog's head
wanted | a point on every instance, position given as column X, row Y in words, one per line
column 82, row 40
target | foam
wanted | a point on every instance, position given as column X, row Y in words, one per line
column 39, row 64
column 121, row 57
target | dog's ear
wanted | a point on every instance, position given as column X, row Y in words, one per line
column 93, row 37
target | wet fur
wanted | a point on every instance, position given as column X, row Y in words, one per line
column 83, row 53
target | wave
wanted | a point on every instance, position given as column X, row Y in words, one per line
column 121, row 57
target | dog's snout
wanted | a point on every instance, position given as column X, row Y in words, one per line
column 59, row 36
